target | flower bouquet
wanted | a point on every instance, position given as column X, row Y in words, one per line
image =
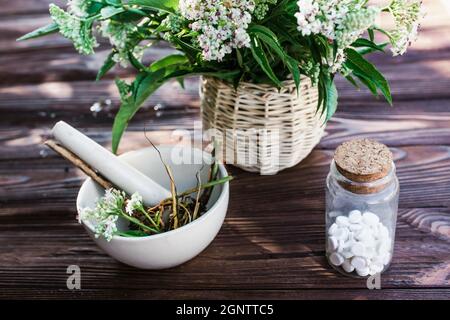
column 278, row 56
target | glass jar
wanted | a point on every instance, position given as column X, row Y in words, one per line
column 360, row 221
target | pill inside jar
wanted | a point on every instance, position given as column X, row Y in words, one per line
column 361, row 208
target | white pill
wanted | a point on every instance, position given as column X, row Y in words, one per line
column 333, row 229
column 370, row 242
column 336, row 259
column 342, row 233
column 347, row 254
column 370, row 218
column 342, row 221
column 377, row 259
column 355, row 227
column 383, row 247
column 349, row 244
column 347, row 266
column 369, row 252
column 351, row 236
column 355, row 216
column 332, row 243
column 341, row 245
column 363, row 272
column 363, row 234
column 383, row 233
column 359, row 262
column 358, row 249
column 334, row 214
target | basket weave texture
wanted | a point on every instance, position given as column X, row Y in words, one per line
column 263, row 129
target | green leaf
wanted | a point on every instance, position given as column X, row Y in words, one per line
column 331, row 98
column 42, row 31
column 190, row 51
column 107, row 65
column 143, row 86
column 108, row 12
column 135, row 62
column 148, row 85
column 168, row 61
column 180, row 81
column 352, row 81
column 113, row 2
column 360, row 66
column 132, row 233
column 94, row 8
column 361, row 42
column 366, row 50
column 164, row 5
column 368, row 83
column 261, row 59
column 371, row 34
column 225, row 75
column 283, row 34
column 268, row 37
column 293, row 67
column 335, row 49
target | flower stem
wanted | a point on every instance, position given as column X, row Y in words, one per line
column 137, row 222
column 150, row 219
column 206, row 185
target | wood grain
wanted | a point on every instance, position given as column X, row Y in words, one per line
column 271, row 245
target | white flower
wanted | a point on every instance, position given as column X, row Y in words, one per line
column 118, row 35
column 106, row 227
column 84, row 214
column 79, row 8
column 336, row 63
column 407, row 15
column 134, row 203
column 75, row 29
column 221, row 24
column 112, row 199
column 342, row 21
column 105, row 214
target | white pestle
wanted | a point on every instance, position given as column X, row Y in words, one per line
column 120, row 173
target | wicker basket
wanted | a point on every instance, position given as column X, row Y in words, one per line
column 262, row 129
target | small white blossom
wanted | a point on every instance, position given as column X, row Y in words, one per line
column 105, row 214
column 221, row 24
column 110, row 197
column 118, row 34
column 343, row 21
column 407, row 15
column 134, row 203
column 336, row 63
column 84, row 214
column 79, row 8
column 106, row 227
column 75, row 29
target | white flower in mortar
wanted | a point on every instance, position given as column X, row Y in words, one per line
column 134, row 203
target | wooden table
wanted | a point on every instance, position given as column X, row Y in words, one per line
column 272, row 242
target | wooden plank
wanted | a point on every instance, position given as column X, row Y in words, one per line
column 425, row 180
column 55, row 100
column 243, row 256
column 29, row 7
column 192, row 294
column 63, row 64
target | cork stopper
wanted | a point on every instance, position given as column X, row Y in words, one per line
column 363, row 161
